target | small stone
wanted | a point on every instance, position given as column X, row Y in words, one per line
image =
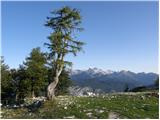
column 101, row 111
column 15, row 106
column 22, row 105
column 89, row 114
column 69, row 117
column 142, row 97
column 113, row 115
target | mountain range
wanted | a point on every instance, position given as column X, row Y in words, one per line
column 111, row 81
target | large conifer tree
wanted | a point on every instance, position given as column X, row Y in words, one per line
column 36, row 70
column 64, row 22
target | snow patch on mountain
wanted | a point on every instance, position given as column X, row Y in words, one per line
column 108, row 80
column 92, row 71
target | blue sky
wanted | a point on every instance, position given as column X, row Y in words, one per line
column 118, row 35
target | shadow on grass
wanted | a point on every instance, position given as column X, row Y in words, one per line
column 34, row 106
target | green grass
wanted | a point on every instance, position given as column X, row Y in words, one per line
column 125, row 106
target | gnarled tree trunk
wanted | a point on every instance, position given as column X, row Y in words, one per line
column 52, row 86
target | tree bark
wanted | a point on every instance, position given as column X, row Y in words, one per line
column 52, row 86
column 32, row 90
column 33, row 95
column 17, row 96
column 51, row 89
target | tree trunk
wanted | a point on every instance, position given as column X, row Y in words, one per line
column 32, row 90
column 52, row 85
column 51, row 89
column 17, row 96
column 33, row 95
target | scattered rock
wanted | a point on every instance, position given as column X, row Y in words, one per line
column 101, row 111
column 22, row 105
column 69, row 117
column 84, row 91
column 84, row 110
column 15, row 106
column 89, row 114
column 113, row 115
column 142, row 97
column 42, row 98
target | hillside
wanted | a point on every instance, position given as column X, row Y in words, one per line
column 122, row 105
column 109, row 81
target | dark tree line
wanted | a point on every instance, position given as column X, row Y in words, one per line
column 30, row 79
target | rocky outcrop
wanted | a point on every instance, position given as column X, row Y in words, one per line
column 84, row 91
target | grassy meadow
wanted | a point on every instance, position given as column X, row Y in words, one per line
column 125, row 105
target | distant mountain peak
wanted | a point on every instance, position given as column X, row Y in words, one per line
column 99, row 71
column 109, row 80
column 95, row 70
column 92, row 71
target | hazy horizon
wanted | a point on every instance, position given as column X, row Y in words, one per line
column 118, row 35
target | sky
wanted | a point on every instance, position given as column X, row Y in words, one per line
column 118, row 35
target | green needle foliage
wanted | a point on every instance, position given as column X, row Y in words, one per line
column 21, row 82
column 6, row 84
column 65, row 23
column 36, row 70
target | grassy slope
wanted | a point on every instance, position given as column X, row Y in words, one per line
column 124, row 106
